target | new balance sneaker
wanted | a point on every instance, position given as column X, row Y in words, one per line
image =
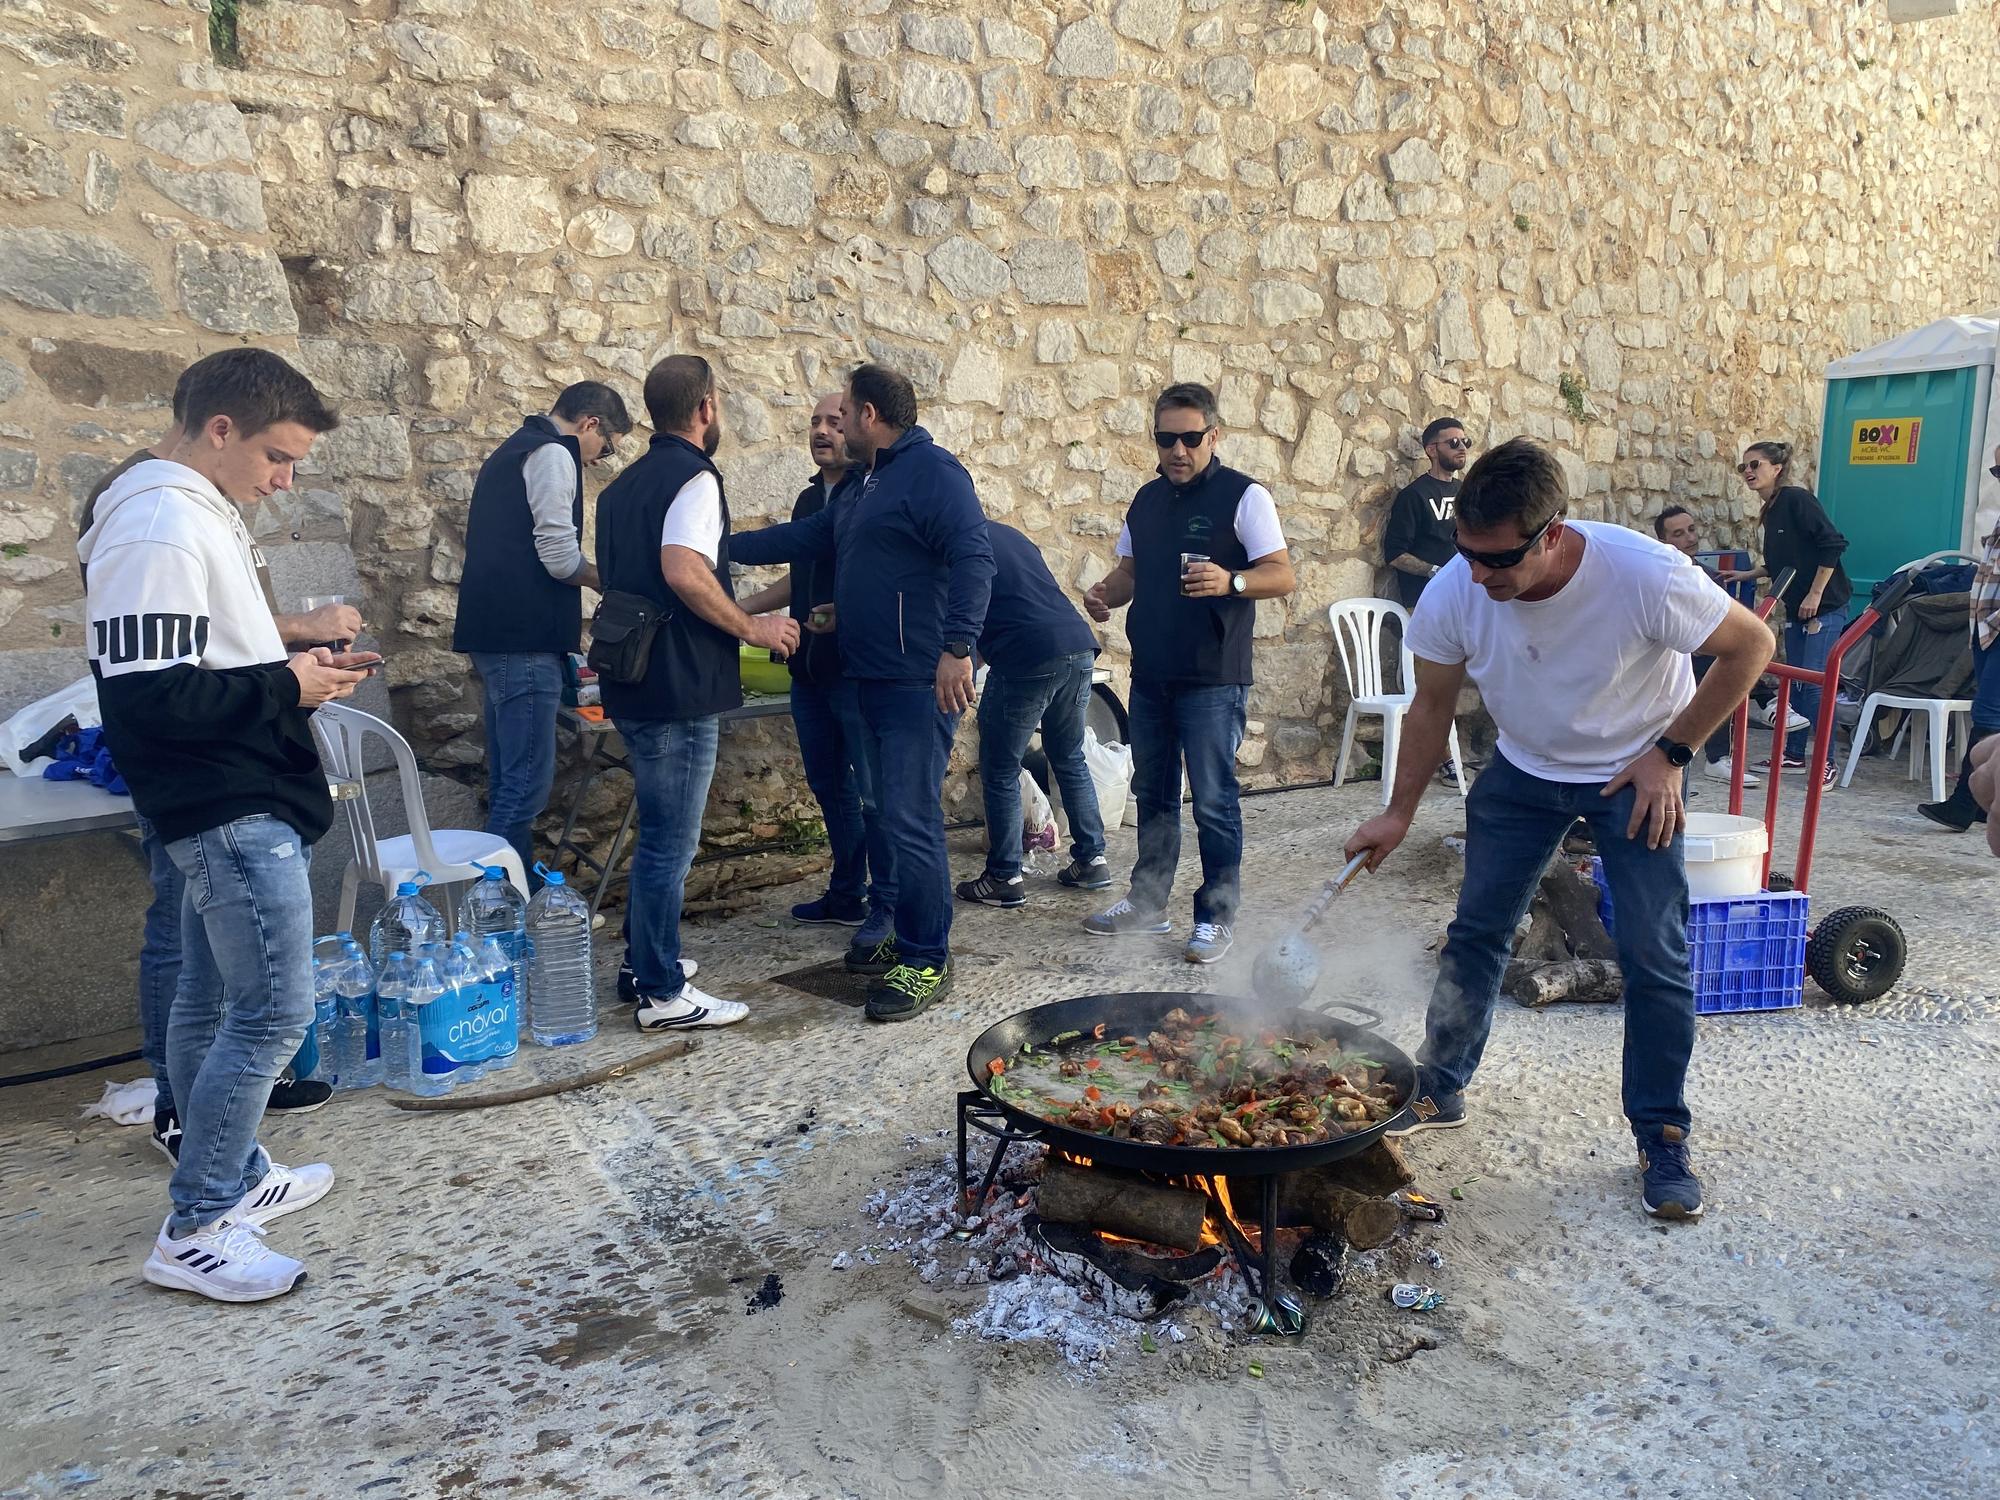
column 628, row 982
column 689, row 1009
column 990, row 890
column 831, row 911
column 226, row 1260
column 1086, row 875
column 1429, row 1112
column 1124, row 919
column 167, row 1135
column 1671, row 1191
column 907, row 991
column 1724, row 769
column 1828, row 775
column 284, row 1190
column 1208, row 942
column 874, row 961
column 297, row 1096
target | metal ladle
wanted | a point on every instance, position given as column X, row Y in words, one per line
column 1287, row 971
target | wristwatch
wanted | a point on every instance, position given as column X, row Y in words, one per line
column 1676, row 753
column 1238, row 583
column 959, row 649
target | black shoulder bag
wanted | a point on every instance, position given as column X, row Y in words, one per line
column 621, row 636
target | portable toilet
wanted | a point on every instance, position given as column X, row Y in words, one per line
column 1903, row 446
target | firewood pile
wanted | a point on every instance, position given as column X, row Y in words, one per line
column 1561, row 948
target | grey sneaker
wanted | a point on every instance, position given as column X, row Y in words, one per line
column 1125, row 919
column 1428, row 1112
column 1209, row 941
column 1092, row 876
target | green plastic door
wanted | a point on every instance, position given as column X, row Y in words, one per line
column 1894, row 475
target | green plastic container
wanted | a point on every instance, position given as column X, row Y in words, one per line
column 762, row 675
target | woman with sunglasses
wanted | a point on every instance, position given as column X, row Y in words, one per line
column 1799, row 536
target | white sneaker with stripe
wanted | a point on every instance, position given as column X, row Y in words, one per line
column 227, row 1261
column 691, row 1007
column 284, row 1190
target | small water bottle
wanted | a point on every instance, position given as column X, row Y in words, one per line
column 501, row 993
column 493, row 908
column 562, row 987
column 358, row 1063
column 392, row 1015
column 326, row 1009
column 422, row 994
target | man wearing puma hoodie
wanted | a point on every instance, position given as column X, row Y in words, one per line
column 207, row 720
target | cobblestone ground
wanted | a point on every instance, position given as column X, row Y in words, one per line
column 551, row 1298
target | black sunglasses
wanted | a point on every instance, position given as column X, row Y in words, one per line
column 1511, row 558
column 1164, row 441
column 1461, row 444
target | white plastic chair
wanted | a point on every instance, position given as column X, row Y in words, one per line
column 448, row 855
column 1357, row 636
column 1932, row 718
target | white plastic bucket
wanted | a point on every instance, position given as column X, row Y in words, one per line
column 1724, row 855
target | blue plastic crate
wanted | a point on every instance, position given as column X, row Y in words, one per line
column 1744, row 953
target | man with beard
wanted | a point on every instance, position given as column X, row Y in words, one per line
column 663, row 536
column 827, row 711
column 1417, row 540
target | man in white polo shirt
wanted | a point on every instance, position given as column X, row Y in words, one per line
column 1578, row 637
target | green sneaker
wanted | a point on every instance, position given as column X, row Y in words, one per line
column 907, row 991
column 875, row 960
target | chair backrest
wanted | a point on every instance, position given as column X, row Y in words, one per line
column 341, row 733
column 1950, row 554
column 1357, row 636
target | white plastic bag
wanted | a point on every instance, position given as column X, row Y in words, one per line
column 78, row 700
column 1111, row 773
column 1039, row 838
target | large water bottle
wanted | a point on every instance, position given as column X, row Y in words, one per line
column 356, row 1060
column 493, row 908
column 406, row 923
column 392, row 1013
column 562, row 989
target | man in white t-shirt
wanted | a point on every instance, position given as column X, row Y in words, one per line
column 663, row 541
column 1201, row 543
column 1578, row 637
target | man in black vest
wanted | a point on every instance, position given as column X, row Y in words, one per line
column 1200, row 543
column 826, row 710
column 663, row 533
column 520, row 609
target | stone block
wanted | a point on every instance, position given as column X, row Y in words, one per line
column 627, row 185
column 11, row 381
column 90, row 374
column 293, row 38
column 938, row 36
column 1367, row 201
column 779, row 187
column 18, row 469
column 234, row 199
column 1085, row 49
column 363, row 447
column 967, row 269
column 601, row 233
column 513, row 215
column 937, row 95
column 1289, row 91
column 1153, row 22
column 58, row 270
column 1415, row 161
column 1049, row 161
column 1229, row 80
column 1051, row 273
column 29, row 169
column 234, row 288
column 199, row 133
column 1006, row 39
column 1316, row 459
column 350, row 369
column 87, row 109
column 813, row 65
column 1276, row 302
column 753, row 77
column 437, row 56
column 974, row 377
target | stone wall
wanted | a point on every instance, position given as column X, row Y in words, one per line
column 1634, row 230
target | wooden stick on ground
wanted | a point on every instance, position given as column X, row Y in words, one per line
column 554, row 1085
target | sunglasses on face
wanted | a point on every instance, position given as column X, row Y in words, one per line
column 1461, row 444
column 1751, row 467
column 1511, row 558
column 1165, row 441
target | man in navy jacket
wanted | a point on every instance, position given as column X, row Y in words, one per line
column 1040, row 654
column 913, row 573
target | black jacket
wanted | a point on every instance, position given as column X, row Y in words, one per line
column 818, row 658
column 1030, row 620
column 1798, row 535
column 506, row 599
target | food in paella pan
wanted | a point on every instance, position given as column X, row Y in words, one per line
column 1197, row 1080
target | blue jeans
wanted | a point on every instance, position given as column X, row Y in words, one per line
column 1810, row 652
column 833, row 745
column 159, row 962
column 244, row 1003
column 910, row 741
column 1051, row 697
column 1513, row 823
column 673, row 761
column 523, row 693
column 1986, row 688
column 1203, row 727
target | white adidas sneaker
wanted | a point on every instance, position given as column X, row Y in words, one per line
column 690, row 1008
column 227, row 1261
column 284, row 1190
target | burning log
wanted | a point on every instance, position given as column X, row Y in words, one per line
column 1313, row 1198
column 1538, row 984
column 1121, row 1203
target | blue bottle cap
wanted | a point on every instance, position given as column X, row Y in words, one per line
column 394, row 956
column 407, row 888
column 494, row 872
column 553, row 877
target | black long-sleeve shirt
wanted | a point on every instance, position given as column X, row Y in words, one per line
column 1799, row 535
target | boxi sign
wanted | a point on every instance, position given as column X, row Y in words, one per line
column 1885, row 440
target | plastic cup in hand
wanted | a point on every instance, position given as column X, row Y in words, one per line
column 319, row 601
column 1188, row 560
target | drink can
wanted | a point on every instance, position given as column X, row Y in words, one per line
column 1414, row 1297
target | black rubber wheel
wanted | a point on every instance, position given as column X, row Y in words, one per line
column 1106, row 715
column 1856, row 954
